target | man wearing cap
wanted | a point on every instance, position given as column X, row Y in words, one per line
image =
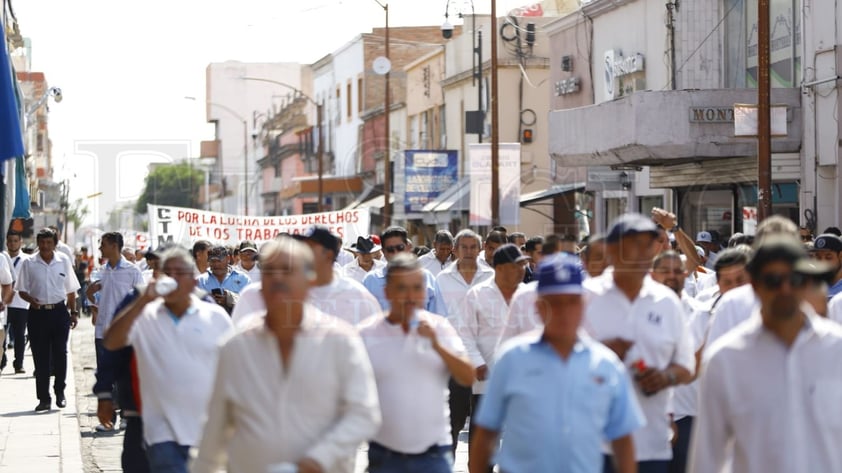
column 442, row 254
column 222, row 281
column 705, row 240
column 395, row 241
column 485, row 312
column 828, row 248
column 248, row 260
column 365, row 262
column 643, row 322
column 522, row 399
column 769, row 389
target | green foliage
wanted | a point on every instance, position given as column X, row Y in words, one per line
column 171, row 184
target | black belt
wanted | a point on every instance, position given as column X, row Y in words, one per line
column 432, row 449
column 57, row 305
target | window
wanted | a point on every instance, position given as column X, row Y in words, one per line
column 348, row 100
column 338, row 104
column 360, row 95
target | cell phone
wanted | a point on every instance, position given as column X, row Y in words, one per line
column 216, row 292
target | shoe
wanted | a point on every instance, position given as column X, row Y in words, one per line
column 20, row 371
column 11, row 346
column 43, row 406
column 61, row 401
column 102, row 428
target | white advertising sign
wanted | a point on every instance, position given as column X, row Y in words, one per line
column 479, row 170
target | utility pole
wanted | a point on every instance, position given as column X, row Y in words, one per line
column 764, row 123
column 387, row 105
column 495, row 124
column 320, row 152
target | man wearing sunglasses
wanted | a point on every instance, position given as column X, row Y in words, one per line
column 769, row 389
column 222, row 281
column 394, row 241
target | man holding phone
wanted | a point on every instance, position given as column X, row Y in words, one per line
column 221, row 281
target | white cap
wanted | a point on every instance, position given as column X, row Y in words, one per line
column 704, row 237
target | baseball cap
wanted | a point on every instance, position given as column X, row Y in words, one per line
column 827, row 241
column 704, row 237
column 508, row 253
column 322, row 236
column 559, row 274
column 630, row 224
column 789, row 250
column 247, row 245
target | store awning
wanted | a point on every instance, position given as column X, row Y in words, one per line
column 308, row 186
column 367, row 191
column 550, row 192
column 375, row 205
column 456, row 198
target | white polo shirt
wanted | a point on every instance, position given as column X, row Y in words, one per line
column 17, row 302
column 343, row 298
column 48, row 283
column 353, row 270
column 654, row 321
column 523, row 316
column 685, row 402
column 176, row 364
column 117, row 282
column 481, row 324
column 411, row 382
column 779, row 405
column 432, row 264
column 454, row 288
column 734, row 308
column 6, row 278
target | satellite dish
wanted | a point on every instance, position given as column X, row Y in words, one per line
column 381, row 65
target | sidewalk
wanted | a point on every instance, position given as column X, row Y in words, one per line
column 37, row 442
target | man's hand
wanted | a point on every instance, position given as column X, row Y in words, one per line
column 663, row 218
column 105, row 412
column 219, row 299
column 94, row 313
column 308, row 465
column 424, row 330
column 74, row 320
column 620, row 346
column 652, row 381
column 482, row 372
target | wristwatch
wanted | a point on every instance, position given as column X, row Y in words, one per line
column 74, row 312
column 671, row 378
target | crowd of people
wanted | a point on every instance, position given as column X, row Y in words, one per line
column 640, row 350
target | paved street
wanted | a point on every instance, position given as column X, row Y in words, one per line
column 65, row 440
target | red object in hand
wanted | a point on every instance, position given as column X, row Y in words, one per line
column 639, row 366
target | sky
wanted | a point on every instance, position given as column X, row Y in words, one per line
column 125, row 67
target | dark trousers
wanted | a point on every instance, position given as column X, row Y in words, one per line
column 460, row 409
column 436, row 459
column 653, row 466
column 99, row 349
column 48, row 331
column 168, row 457
column 682, row 445
column 134, row 454
column 17, row 333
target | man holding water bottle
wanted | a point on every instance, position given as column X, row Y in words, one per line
column 414, row 353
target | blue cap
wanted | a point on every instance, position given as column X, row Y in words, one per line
column 630, row 224
column 559, row 274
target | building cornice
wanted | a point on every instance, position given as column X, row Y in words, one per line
column 599, row 7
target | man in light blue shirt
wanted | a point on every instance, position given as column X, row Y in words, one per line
column 221, row 281
column 394, row 241
column 557, row 395
column 828, row 248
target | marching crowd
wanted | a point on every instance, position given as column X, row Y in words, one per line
column 642, row 349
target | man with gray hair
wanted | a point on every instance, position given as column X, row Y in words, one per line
column 442, row 254
column 176, row 338
column 312, row 365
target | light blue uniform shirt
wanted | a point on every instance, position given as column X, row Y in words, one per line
column 234, row 281
column 375, row 282
column 554, row 414
column 834, row 289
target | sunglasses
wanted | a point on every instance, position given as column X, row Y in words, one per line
column 806, row 238
column 394, row 249
column 775, row 281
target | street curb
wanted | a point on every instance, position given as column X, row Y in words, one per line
column 69, row 425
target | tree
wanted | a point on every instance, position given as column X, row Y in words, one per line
column 171, row 184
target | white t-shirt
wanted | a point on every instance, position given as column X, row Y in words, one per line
column 354, row 271
column 734, row 308
column 834, row 308
column 176, row 363
column 432, row 264
column 686, row 398
column 17, row 262
column 411, row 382
column 655, row 322
column 523, row 315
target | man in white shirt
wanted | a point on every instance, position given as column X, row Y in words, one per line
column 454, row 283
column 705, row 240
column 248, row 260
column 769, row 389
column 643, row 322
column 176, row 343
column 48, row 283
column 483, row 316
column 61, row 246
column 413, row 353
column 18, row 310
column 494, row 240
column 442, row 254
column 364, row 262
column 295, row 389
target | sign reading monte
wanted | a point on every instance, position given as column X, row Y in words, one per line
column 428, row 174
column 183, row 226
column 712, row 114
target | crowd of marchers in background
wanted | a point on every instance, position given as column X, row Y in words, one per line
column 639, row 350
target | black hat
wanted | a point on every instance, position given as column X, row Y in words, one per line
column 828, row 241
column 365, row 246
column 322, row 236
column 786, row 249
column 630, row 224
column 247, row 245
column 508, row 253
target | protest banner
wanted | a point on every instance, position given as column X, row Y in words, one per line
column 168, row 225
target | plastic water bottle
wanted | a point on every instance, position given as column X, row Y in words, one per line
column 163, row 286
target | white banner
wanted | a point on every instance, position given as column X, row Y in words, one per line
column 479, row 159
column 184, row 226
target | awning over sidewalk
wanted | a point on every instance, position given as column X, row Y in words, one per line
column 550, row 192
column 450, row 203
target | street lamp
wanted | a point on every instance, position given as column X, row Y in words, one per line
column 319, row 119
column 53, row 92
column 387, row 104
column 245, row 150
